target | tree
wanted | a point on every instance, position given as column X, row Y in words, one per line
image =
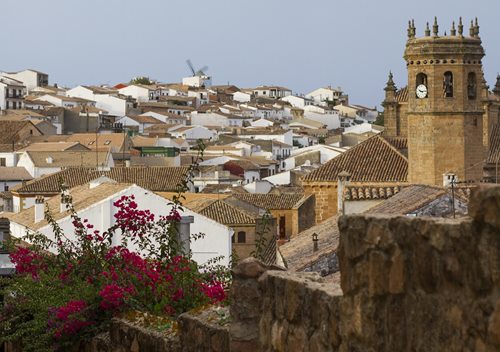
column 141, row 80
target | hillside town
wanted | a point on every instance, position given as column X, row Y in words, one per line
column 261, row 170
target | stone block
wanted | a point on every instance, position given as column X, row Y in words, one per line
column 484, row 205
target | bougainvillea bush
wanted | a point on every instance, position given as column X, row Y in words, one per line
column 66, row 290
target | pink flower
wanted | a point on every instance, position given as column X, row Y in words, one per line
column 68, row 319
column 214, row 291
column 27, row 262
column 113, row 296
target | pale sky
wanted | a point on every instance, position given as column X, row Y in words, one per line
column 295, row 43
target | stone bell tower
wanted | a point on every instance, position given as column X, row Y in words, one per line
column 446, row 91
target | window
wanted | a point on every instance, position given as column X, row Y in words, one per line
column 421, row 79
column 6, row 188
column 3, row 162
column 471, row 86
column 242, row 237
column 448, row 85
column 108, row 142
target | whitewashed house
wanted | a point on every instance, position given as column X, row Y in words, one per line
column 192, row 133
column 323, row 96
column 31, row 79
column 242, row 96
column 297, row 101
column 218, row 119
column 39, row 163
column 12, row 93
column 261, row 123
column 139, row 123
column 66, row 102
column 277, row 135
column 141, row 92
column 274, row 92
column 106, row 99
column 94, row 201
column 325, row 115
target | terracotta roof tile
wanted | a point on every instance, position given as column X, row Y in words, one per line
column 68, row 158
column 299, row 252
column 373, row 160
column 14, row 174
column 221, row 211
column 410, row 198
column 494, row 149
column 271, row 201
column 402, row 95
column 156, row 178
column 9, row 130
column 365, row 192
column 82, row 197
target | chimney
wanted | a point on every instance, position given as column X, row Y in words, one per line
column 343, row 180
column 39, row 209
column 448, row 179
column 184, row 233
column 315, row 241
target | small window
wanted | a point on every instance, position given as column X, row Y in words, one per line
column 3, row 161
column 6, row 188
column 421, row 79
column 108, row 142
column 448, row 85
column 242, row 237
column 471, row 86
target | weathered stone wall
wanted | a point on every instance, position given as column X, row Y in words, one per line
column 299, row 313
column 409, row 284
column 205, row 330
column 413, row 284
column 306, row 216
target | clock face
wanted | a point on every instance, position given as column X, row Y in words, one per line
column 421, row 91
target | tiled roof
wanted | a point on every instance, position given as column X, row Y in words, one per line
column 402, row 95
column 271, row 201
column 373, row 160
column 146, row 119
column 370, row 192
column 408, row 199
column 9, row 130
column 400, row 143
column 221, row 211
column 14, row 174
column 494, row 149
column 115, row 141
column 82, row 197
column 56, row 159
column 155, row 178
column 53, row 146
column 299, row 252
column 222, row 189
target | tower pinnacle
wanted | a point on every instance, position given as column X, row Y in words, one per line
column 453, row 31
column 460, row 27
column 435, row 27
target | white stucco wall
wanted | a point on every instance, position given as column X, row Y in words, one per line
column 217, row 240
